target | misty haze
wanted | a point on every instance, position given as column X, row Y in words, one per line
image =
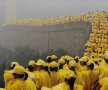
column 53, row 44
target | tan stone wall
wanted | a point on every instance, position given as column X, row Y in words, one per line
column 70, row 37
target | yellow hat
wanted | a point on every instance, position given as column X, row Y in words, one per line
column 66, row 57
column 70, row 58
column 32, row 63
column 14, row 63
column 83, row 59
column 90, row 62
column 76, row 57
column 70, row 74
column 45, row 64
column 48, row 57
column 40, row 62
column 53, row 64
column 72, row 63
column 61, row 61
column 19, row 70
column 63, row 57
column 54, row 57
column 106, row 55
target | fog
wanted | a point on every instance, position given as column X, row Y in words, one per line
column 49, row 8
column 37, row 42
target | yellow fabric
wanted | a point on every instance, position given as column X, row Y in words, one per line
column 65, row 86
column 69, row 74
column 53, row 64
column 45, row 79
column 54, row 57
column 78, row 67
column 96, row 67
column 76, row 57
column 27, row 70
column 16, row 64
column 89, row 77
column 31, row 76
column 45, row 88
column 90, row 62
column 19, row 70
column 54, row 78
column 47, row 57
column 72, row 63
column 83, row 68
column 102, row 81
column 78, row 78
column 65, row 67
column 63, row 57
column 2, row 89
column 104, row 73
column 46, row 64
column 15, row 85
column 31, row 62
column 61, row 61
column 58, row 88
column 8, row 77
column 105, row 86
column 78, row 87
column 106, row 55
column 86, row 79
column 29, row 85
column 102, row 65
column 38, row 79
column 18, row 84
column 40, row 62
column 61, row 75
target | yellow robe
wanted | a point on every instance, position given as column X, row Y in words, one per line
column 65, row 67
column 54, row 78
column 78, row 78
column 45, row 78
column 19, row 84
column 89, row 77
column 45, row 88
column 31, row 76
column 61, row 75
column 8, row 77
column 65, row 86
column 104, row 86
column 38, row 79
column 2, row 89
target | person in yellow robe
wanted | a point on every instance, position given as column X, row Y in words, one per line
column 20, row 81
column 61, row 72
column 31, row 70
column 90, row 76
column 8, row 73
column 83, row 63
column 45, row 75
column 54, row 73
column 39, row 79
column 69, row 83
column 53, row 57
column 104, row 63
column 73, row 67
column 48, row 59
column 103, row 83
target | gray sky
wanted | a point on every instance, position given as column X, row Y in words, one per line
column 48, row 8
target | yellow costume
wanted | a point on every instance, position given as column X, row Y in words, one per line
column 20, row 83
column 8, row 74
